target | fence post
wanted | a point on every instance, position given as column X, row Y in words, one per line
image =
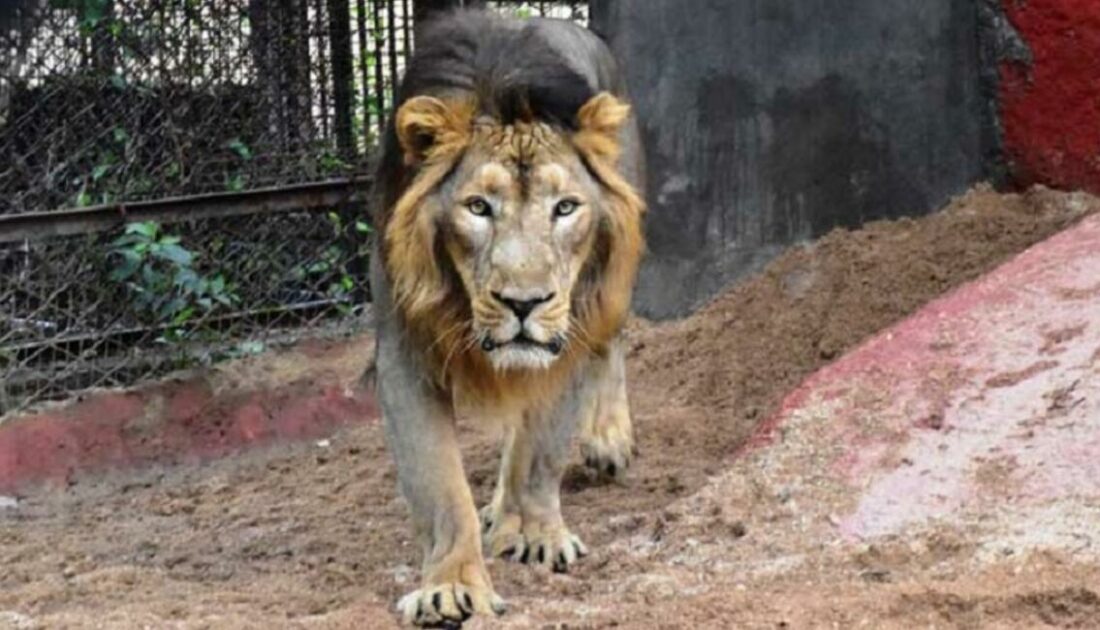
column 343, row 78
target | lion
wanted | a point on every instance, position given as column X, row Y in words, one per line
column 509, row 235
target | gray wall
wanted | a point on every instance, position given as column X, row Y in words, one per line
column 769, row 122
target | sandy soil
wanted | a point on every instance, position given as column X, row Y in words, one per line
column 703, row 533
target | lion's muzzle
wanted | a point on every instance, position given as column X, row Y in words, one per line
column 524, row 340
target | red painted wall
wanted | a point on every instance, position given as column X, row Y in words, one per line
column 1050, row 109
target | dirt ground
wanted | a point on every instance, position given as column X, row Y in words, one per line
column 704, row 532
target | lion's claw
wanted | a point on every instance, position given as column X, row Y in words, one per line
column 557, row 549
column 448, row 605
column 608, row 455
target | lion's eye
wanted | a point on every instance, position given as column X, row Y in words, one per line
column 479, row 207
column 566, row 207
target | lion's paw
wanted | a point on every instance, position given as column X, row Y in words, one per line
column 608, row 445
column 449, row 604
column 553, row 547
column 489, row 516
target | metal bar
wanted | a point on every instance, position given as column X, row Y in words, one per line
column 379, row 55
column 406, row 20
column 391, row 33
column 317, row 31
column 343, row 74
column 131, row 335
column 364, row 53
column 38, row 225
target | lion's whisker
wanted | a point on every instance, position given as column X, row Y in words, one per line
column 471, row 339
column 447, row 333
column 578, row 333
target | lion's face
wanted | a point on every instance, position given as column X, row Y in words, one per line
column 519, row 216
column 513, row 246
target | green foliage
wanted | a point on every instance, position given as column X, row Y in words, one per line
column 240, row 148
column 330, row 164
column 332, row 265
column 160, row 275
column 89, row 12
column 108, row 180
column 236, row 182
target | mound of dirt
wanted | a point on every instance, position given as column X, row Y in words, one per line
column 314, row 535
column 723, row 370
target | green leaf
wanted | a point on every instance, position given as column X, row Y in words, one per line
column 235, row 183
column 171, row 308
column 362, row 227
column 188, row 280
column 149, row 277
column 176, row 254
column 217, row 285
column 240, row 148
column 131, row 260
column 95, row 10
column 99, row 171
column 140, row 185
column 182, row 316
column 147, row 229
column 120, row 135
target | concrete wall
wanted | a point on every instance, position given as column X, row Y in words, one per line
column 768, row 123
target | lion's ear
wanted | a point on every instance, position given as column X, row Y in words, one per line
column 427, row 126
column 598, row 124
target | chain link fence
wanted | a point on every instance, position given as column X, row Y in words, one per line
column 183, row 181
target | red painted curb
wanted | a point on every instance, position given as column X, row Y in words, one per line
column 987, row 398
column 172, row 422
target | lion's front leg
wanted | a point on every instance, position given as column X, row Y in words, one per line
column 421, row 434
column 607, row 434
column 524, row 522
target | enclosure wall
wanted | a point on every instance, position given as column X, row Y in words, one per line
column 1048, row 66
column 769, row 123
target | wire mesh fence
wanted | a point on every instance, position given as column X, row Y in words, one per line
column 185, row 180
column 116, row 100
column 106, row 309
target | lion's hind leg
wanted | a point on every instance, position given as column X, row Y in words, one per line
column 607, row 433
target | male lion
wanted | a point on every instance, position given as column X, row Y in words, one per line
column 510, row 236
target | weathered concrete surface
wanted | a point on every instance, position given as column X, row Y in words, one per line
column 767, row 123
column 985, row 405
column 302, row 393
column 1050, row 97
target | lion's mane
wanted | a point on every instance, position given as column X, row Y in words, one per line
column 481, row 66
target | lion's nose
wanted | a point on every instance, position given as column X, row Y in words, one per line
column 522, row 307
